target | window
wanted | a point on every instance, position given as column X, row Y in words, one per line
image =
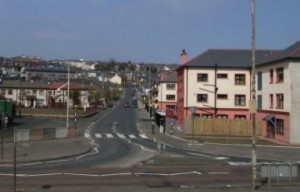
column 222, row 76
column 240, row 100
column 240, row 79
column 222, row 96
column 9, row 92
column 259, row 81
column 279, row 126
column 202, row 77
column 222, row 116
column 208, row 116
column 271, row 76
column 202, row 98
column 240, row 117
column 280, row 75
column 259, row 102
column 170, row 107
column 41, row 92
column 279, row 101
column 170, row 97
column 170, row 86
column 271, row 103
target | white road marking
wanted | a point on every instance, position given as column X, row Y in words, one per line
column 98, row 135
column 132, row 136
column 116, row 174
column 143, row 136
column 208, row 156
column 45, row 174
column 81, row 174
column 121, row 135
column 238, row 163
column 109, row 135
column 218, row 173
column 221, row 158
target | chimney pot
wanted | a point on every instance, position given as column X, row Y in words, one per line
column 183, row 56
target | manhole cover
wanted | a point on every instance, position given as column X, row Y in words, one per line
column 46, row 187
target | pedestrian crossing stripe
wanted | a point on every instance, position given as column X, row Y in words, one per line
column 120, row 135
column 132, row 136
column 143, row 136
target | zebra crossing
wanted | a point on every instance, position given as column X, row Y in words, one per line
column 120, row 135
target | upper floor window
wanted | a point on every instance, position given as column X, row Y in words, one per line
column 222, row 75
column 279, row 101
column 41, row 92
column 240, row 79
column 271, row 104
column 240, row 100
column 202, row 77
column 170, row 97
column 279, row 75
column 271, row 74
column 10, row 92
column 170, row 86
column 202, row 98
column 222, row 96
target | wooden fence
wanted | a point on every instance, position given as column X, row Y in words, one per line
column 220, row 127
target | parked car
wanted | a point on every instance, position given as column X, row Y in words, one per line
column 134, row 103
column 126, row 104
column 110, row 105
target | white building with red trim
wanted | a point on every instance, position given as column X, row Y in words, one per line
column 217, row 83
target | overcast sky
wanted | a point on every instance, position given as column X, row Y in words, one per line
column 142, row 30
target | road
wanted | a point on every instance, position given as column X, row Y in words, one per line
column 123, row 155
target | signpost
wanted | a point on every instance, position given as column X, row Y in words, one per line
column 193, row 110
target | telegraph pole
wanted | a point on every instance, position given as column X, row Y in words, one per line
column 68, row 109
column 253, row 98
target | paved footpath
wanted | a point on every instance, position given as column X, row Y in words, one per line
column 267, row 152
column 45, row 150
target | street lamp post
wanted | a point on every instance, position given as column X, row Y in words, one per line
column 15, row 159
column 253, row 97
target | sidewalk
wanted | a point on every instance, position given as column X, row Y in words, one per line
column 45, row 150
column 266, row 152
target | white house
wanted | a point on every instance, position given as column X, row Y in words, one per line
column 116, row 79
column 217, row 83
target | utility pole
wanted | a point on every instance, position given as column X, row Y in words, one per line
column 15, row 160
column 68, row 99
column 253, row 98
column 216, row 89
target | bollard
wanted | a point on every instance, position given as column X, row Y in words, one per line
column 152, row 127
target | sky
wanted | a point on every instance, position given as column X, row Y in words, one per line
column 150, row 31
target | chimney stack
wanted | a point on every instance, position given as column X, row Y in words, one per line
column 183, row 57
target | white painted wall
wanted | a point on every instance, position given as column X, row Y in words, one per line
column 163, row 92
column 295, row 102
column 275, row 88
column 225, row 86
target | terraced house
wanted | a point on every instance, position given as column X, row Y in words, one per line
column 217, row 83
